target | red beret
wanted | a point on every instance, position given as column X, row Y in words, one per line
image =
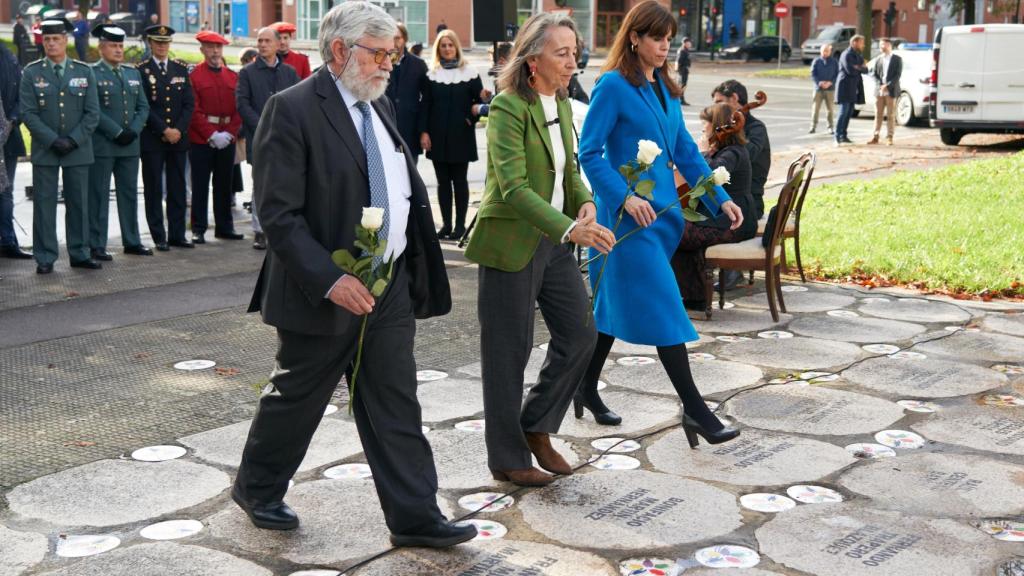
column 284, row 27
column 211, row 37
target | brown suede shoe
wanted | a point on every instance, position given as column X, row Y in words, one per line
column 525, row 477
column 873, row 140
column 540, row 445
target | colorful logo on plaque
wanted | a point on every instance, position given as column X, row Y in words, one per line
column 727, row 556
column 646, row 567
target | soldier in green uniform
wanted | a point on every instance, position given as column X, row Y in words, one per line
column 123, row 113
column 61, row 111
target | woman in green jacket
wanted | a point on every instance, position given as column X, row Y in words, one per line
column 535, row 205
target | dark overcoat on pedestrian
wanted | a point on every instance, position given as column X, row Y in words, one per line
column 447, row 113
column 10, row 93
column 405, row 89
column 850, row 83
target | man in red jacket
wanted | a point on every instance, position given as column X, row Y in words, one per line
column 212, row 132
column 294, row 59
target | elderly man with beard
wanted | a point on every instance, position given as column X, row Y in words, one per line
column 326, row 149
column 257, row 82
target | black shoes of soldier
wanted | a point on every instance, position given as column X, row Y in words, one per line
column 89, row 264
column 139, row 250
column 228, row 236
column 101, row 254
column 181, row 244
column 15, row 252
column 260, row 241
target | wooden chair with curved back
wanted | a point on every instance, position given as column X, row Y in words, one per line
column 752, row 254
column 793, row 224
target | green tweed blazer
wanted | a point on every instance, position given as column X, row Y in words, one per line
column 516, row 208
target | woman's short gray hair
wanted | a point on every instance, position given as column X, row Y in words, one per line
column 530, row 42
column 350, row 21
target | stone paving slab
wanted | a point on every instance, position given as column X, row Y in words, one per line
column 639, row 413
column 1012, row 324
column 161, row 559
column 461, row 458
column 977, row 347
column 849, row 539
column 711, row 376
column 915, row 310
column 633, row 509
column 334, row 440
column 800, row 302
column 113, row 492
column 495, row 558
column 930, row 378
column 341, row 521
column 792, row 353
column 450, row 398
column 986, row 428
column 756, row 458
column 814, row 410
column 19, row 551
column 942, row 485
column 857, row 330
column 739, row 321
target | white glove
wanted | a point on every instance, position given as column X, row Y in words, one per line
column 220, row 140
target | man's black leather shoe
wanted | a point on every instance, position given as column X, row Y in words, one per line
column 199, row 238
column 163, row 246
column 229, row 236
column 276, row 516
column 732, row 280
column 439, row 535
column 44, row 268
column 139, row 250
column 182, row 243
column 89, row 264
column 15, row 252
column 101, row 254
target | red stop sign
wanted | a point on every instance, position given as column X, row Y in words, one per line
column 781, row 10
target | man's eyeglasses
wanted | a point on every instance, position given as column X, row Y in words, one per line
column 379, row 54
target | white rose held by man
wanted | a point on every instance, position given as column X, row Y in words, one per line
column 720, row 176
column 373, row 218
column 647, row 151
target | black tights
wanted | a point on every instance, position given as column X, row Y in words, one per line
column 452, row 178
column 677, row 365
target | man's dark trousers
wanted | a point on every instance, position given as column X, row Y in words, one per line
column 207, row 160
column 387, row 413
column 843, row 123
column 7, row 235
column 153, row 166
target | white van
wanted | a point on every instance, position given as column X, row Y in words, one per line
column 977, row 80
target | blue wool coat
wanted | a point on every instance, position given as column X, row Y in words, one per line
column 638, row 299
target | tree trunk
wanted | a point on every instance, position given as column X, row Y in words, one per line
column 864, row 26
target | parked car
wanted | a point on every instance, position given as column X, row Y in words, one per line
column 130, row 22
column 758, row 47
column 837, row 35
column 976, row 82
column 915, row 84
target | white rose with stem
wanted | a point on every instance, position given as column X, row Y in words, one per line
column 374, row 278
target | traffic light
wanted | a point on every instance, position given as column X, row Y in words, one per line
column 682, row 12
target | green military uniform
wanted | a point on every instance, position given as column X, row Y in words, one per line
column 60, row 103
column 123, row 113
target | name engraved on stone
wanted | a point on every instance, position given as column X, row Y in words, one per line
column 954, row 481
column 872, row 545
column 634, row 509
column 495, row 565
column 1011, row 430
column 749, row 452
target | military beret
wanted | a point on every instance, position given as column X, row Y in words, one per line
column 211, row 37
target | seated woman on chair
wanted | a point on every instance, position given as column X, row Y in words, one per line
column 728, row 151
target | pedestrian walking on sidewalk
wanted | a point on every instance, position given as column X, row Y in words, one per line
column 683, row 68
column 324, row 150
column 535, row 207
column 824, row 71
column 887, row 71
column 849, row 87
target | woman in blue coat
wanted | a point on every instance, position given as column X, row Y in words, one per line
column 638, row 299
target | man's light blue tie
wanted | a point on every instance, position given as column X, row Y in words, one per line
column 375, row 169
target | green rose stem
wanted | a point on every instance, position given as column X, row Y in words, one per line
column 359, row 360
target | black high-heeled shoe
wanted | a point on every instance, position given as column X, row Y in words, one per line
column 693, row 429
column 606, row 418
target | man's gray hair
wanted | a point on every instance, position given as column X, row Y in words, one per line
column 350, row 21
column 277, row 34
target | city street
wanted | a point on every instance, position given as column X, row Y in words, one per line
column 882, row 431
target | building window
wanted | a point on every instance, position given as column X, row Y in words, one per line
column 184, row 15
column 308, row 15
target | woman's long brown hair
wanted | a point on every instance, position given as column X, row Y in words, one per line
column 646, row 19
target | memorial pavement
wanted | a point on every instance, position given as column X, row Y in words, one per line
column 882, row 435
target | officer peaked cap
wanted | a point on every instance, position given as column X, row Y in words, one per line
column 159, row 32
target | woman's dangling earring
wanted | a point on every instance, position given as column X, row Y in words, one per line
column 532, row 80
column 633, row 48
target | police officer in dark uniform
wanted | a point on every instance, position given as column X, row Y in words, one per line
column 123, row 114
column 164, row 141
column 61, row 110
